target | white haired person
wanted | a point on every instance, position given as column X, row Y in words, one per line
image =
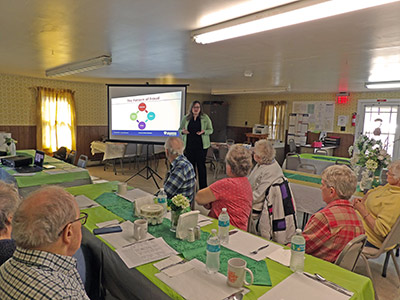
column 233, row 192
column 380, row 207
column 273, row 213
column 9, row 201
column 47, row 232
column 329, row 230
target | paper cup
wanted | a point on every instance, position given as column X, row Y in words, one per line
column 122, row 188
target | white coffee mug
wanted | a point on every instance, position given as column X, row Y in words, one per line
column 237, row 273
column 122, row 188
column 139, row 229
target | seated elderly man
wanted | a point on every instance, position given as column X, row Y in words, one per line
column 329, row 230
column 47, row 232
column 181, row 178
column 9, row 201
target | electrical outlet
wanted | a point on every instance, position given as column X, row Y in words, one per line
column 245, row 123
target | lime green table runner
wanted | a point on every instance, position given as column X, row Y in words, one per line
column 322, row 157
column 360, row 285
column 41, row 178
column 309, row 178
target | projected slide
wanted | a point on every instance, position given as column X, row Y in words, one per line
column 156, row 115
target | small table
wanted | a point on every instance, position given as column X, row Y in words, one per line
column 253, row 137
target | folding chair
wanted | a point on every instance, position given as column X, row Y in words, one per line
column 351, row 252
column 82, row 161
column 389, row 244
column 320, row 151
column 307, row 168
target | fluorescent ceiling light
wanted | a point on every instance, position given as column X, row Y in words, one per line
column 79, row 67
column 275, row 89
column 382, row 85
column 286, row 15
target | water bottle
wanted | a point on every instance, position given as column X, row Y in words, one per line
column 223, row 226
column 213, row 250
column 162, row 199
column 298, row 248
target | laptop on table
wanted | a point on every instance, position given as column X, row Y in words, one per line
column 37, row 164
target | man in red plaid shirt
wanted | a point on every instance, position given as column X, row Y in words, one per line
column 329, row 230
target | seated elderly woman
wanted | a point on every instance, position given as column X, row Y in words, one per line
column 329, row 230
column 274, row 212
column 380, row 207
column 9, row 202
column 233, row 192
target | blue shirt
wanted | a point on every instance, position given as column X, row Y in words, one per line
column 181, row 179
column 34, row 274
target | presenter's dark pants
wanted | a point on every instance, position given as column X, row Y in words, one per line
column 198, row 159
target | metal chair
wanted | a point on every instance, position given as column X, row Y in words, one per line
column 211, row 158
column 82, row 161
column 343, row 162
column 350, row 254
column 320, row 151
column 389, row 244
column 292, row 161
column 307, row 168
column 71, row 157
column 220, row 165
column 230, row 142
column 292, row 146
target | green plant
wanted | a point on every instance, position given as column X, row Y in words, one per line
column 179, row 202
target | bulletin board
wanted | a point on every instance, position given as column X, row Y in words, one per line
column 321, row 114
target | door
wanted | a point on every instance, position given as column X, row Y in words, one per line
column 378, row 119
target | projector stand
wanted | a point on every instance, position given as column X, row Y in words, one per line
column 149, row 171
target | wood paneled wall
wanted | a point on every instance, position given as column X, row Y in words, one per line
column 87, row 134
column 25, row 135
column 238, row 134
column 346, row 140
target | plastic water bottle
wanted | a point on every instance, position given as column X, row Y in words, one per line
column 298, row 248
column 223, row 226
column 162, row 199
column 213, row 250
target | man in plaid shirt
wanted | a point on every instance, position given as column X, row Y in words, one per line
column 329, row 230
column 181, row 178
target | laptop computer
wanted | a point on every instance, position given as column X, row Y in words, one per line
column 37, row 164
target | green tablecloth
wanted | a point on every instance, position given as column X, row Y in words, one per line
column 41, row 178
column 360, row 285
column 322, row 157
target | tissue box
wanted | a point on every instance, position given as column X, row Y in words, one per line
column 316, row 144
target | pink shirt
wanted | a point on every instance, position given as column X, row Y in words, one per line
column 236, row 195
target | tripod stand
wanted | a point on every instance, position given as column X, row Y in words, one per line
column 149, row 171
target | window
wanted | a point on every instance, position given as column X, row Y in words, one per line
column 56, row 125
column 384, row 115
column 273, row 114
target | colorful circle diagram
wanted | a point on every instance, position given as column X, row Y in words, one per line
column 142, row 110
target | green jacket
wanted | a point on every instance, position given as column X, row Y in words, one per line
column 206, row 125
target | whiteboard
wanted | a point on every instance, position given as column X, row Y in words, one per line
column 321, row 114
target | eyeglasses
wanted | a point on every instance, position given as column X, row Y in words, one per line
column 82, row 218
column 196, row 106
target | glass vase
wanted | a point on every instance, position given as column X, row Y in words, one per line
column 13, row 149
column 174, row 219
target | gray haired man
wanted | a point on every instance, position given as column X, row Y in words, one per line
column 47, row 232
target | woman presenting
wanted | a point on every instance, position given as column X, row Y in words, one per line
column 196, row 128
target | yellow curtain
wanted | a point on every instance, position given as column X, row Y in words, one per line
column 273, row 114
column 56, row 120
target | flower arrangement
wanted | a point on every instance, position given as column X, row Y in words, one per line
column 179, row 203
column 368, row 156
column 9, row 141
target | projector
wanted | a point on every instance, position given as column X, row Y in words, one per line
column 17, row 161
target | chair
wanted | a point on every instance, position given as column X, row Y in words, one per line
column 351, row 252
column 292, row 146
column 82, row 161
column 343, row 162
column 210, row 158
column 220, row 165
column 61, row 153
column 320, row 151
column 390, row 243
column 71, row 157
column 230, row 142
column 307, row 168
column 292, row 161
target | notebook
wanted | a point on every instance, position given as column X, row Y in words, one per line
column 37, row 164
